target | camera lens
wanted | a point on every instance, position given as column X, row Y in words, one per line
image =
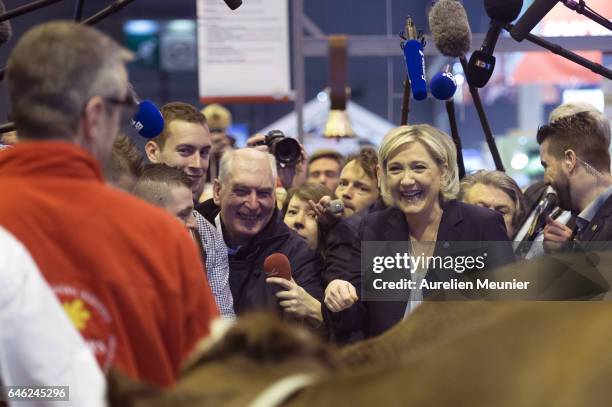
column 287, row 151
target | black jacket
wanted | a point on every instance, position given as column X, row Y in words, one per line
column 460, row 222
column 247, row 277
column 600, row 228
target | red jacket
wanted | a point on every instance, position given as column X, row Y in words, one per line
column 127, row 273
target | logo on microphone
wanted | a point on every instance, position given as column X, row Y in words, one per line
column 449, row 75
column 137, row 125
column 422, row 64
column 482, row 64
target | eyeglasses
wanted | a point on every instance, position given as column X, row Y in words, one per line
column 128, row 107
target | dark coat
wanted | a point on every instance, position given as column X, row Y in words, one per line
column 534, row 194
column 460, row 222
column 600, row 228
column 337, row 252
column 247, row 278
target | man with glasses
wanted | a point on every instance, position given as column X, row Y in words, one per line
column 97, row 247
column 574, row 154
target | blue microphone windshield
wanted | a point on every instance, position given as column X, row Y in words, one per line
column 148, row 120
column 415, row 61
column 443, row 85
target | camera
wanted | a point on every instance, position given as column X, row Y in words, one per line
column 286, row 150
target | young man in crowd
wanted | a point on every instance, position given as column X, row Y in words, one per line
column 169, row 188
column 219, row 119
column 358, row 186
column 97, row 247
column 324, row 168
column 185, row 143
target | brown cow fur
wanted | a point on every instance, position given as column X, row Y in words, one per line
column 461, row 354
column 253, row 354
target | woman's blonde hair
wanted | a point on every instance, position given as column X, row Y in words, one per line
column 436, row 142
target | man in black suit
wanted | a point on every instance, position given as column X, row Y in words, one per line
column 574, row 154
column 538, row 193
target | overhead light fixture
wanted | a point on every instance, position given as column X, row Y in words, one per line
column 338, row 123
column 233, row 4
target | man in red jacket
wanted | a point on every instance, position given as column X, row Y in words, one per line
column 127, row 273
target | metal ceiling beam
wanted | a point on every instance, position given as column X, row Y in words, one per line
column 383, row 45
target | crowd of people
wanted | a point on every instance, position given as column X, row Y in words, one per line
column 142, row 251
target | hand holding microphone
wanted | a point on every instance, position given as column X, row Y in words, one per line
column 294, row 299
column 328, row 211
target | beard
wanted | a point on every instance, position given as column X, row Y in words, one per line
column 563, row 190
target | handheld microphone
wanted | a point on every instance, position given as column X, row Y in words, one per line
column 336, row 206
column 542, row 212
column 534, row 14
column 233, row 4
column 482, row 62
column 443, row 85
column 415, row 61
column 5, row 27
column 148, row 120
column 277, row 265
column 450, row 28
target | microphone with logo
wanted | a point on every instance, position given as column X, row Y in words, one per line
column 443, row 87
column 415, row 60
column 543, row 211
column 277, row 265
column 452, row 36
column 482, row 62
column 148, row 120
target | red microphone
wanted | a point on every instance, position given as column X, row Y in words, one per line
column 277, row 265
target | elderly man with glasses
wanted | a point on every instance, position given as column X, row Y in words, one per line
column 97, row 247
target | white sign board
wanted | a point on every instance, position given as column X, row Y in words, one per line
column 243, row 55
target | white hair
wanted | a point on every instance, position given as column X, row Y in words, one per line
column 249, row 154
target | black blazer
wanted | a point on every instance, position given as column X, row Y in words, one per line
column 600, row 228
column 460, row 222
